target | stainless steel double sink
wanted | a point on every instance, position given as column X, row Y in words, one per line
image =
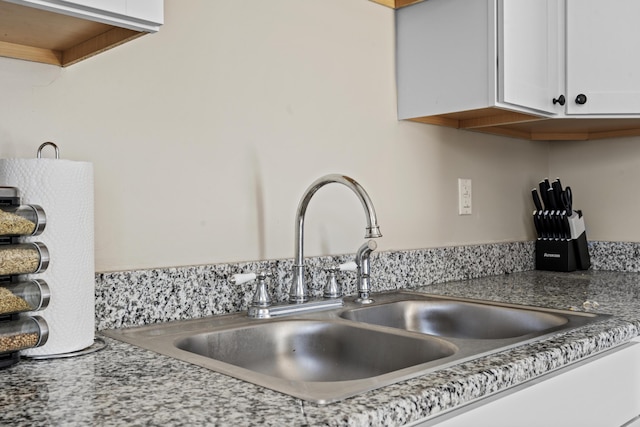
column 329, row 355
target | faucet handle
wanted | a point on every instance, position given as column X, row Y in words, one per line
column 348, row 266
column 261, row 298
column 240, row 278
column 332, row 289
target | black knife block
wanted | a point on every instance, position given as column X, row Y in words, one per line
column 562, row 248
column 563, row 254
column 555, row 255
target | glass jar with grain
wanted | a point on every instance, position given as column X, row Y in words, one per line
column 22, row 220
column 27, row 295
column 23, row 333
column 23, row 258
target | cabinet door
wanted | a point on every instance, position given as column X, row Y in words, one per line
column 604, row 391
column 603, row 41
column 529, row 72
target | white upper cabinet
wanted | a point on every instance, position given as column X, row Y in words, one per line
column 544, row 69
column 138, row 15
column 477, row 63
column 603, row 66
column 63, row 32
column 445, row 57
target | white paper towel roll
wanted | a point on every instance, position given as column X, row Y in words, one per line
column 64, row 189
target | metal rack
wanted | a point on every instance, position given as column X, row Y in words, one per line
column 21, row 295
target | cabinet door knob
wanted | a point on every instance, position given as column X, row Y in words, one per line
column 581, row 99
column 559, row 100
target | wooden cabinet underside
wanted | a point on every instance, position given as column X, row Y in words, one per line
column 519, row 125
column 51, row 38
column 396, row 3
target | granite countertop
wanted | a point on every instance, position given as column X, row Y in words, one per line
column 127, row 385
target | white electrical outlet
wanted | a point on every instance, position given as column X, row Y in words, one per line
column 464, row 196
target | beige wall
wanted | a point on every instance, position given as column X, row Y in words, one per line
column 205, row 135
column 605, row 179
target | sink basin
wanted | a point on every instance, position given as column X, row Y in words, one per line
column 311, row 350
column 330, row 355
column 320, row 359
column 458, row 319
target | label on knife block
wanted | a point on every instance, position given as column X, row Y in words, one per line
column 555, row 255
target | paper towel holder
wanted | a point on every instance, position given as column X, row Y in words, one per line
column 45, row 144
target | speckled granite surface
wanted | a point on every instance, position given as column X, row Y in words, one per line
column 141, row 297
column 126, row 385
column 615, row 256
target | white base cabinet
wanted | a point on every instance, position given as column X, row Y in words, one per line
column 600, row 392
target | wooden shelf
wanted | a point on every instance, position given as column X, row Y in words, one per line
column 51, row 38
column 526, row 126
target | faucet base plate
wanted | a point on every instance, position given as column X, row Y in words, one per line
column 298, row 308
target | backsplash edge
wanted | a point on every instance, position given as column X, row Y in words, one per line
column 139, row 297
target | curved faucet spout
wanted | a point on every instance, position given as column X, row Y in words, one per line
column 299, row 292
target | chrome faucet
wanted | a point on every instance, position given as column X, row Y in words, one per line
column 364, row 281
column 299, row 292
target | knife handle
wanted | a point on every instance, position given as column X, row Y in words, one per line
column 567, row 227
column 547, row 224
column 557, row 193
column 537, row 222
column 559, row 183
column 536, row 199
column 551, row 197
column 543, row 194
column 560, row 225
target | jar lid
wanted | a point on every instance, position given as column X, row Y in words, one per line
column 6, row 192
